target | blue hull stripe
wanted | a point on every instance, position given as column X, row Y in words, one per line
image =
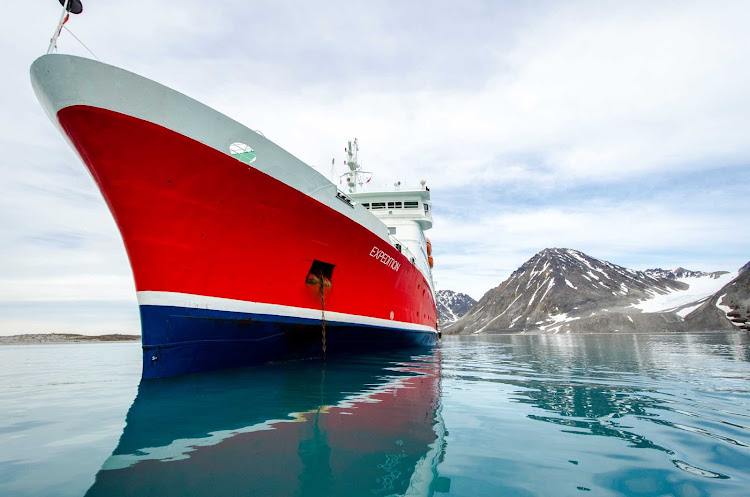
column 180, row 340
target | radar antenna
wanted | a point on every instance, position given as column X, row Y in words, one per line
column 356, row 178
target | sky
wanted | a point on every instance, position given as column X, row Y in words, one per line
column 619, row 129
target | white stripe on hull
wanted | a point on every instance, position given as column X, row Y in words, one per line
column 187, row 300
column 62, row 81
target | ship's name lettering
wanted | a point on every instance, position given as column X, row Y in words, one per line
column 385, row 258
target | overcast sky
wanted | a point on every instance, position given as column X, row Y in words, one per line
column 616, row 128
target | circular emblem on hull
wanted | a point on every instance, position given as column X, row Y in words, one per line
column 242, row 152
column 391, row 315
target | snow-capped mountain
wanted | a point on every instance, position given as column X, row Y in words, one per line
column 681, row 273
column 564, row 290
column 731, row 302
column 452, row 305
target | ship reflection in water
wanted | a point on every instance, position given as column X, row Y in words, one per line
column 635, row 415
column 300, row 428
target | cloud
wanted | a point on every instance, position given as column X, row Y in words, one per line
column 616, row 128
column 667, row 224
column 82, row 316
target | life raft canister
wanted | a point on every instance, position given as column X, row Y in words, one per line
column 429, row 246
column 430, row 261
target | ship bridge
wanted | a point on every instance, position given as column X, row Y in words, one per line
column 407, row 205
column 407, row 213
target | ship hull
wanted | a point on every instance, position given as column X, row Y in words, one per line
column 223, row 251
column 196, row 340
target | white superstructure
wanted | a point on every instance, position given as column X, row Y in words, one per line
column 407, row 214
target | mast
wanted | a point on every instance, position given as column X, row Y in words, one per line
column 69, row 7
column 356, row 178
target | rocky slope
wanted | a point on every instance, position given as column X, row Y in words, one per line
column 563, row 290
column 452, row 305
column 731, row 302
column 681, row 272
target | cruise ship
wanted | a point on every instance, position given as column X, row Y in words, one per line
column 241, row 253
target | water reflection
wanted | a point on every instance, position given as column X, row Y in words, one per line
column 528, row 415
column 604, row 378
column 370, row 425
column 684, row 396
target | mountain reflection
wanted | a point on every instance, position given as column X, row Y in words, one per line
column 588, row 384
column 365, row 425
column 618, row 386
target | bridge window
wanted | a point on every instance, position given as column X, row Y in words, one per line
column 366, row 206
column 411, row 205
column 426, row 208
column 394, row 205
column 378, row 205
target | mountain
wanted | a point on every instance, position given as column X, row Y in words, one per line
column 731, row 302
column 681, row 272
column 563, row 290
column 452, row 305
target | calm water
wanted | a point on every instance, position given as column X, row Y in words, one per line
column 509, row 415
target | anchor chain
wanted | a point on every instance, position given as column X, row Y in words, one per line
column 323, row 315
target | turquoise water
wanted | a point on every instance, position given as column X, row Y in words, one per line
column 504, row 415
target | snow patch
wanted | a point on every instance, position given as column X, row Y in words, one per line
column 687, row 310
column 551, row 284
column 533, row 296
column 575, row 254
column 570, row 284
column 557, row 320
column 725, row 308
column 499, row 315
column 699, row 288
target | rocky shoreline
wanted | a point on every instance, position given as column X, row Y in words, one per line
column 37, row 338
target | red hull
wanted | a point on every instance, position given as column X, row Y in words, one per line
column 197, row 221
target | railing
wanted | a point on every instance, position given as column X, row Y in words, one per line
column 418, row 262
column 404, row 250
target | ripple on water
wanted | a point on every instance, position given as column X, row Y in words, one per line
column 635, row 415
column 670, row 395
